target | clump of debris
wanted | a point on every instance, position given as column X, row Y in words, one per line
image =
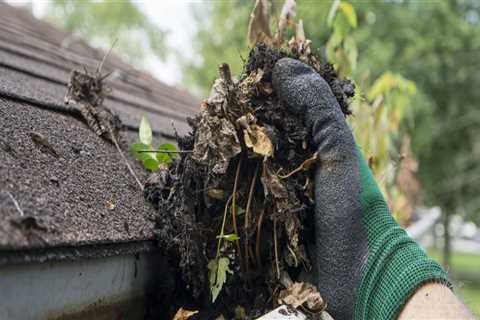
column 235, row 208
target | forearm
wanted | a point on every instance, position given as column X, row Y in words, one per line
column 434, row 301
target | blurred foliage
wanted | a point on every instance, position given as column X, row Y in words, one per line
column 102, row 22
column 379, row 109
column 221, row 37
column 435, row 44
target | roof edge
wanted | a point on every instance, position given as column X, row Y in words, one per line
column 72, row 253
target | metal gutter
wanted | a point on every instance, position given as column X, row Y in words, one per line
column 94, row 283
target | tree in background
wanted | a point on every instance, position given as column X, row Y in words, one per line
column 103, row 22
column 436, row 44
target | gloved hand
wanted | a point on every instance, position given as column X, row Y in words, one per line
column 366, row 265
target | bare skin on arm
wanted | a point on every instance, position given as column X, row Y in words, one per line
column 434, row 301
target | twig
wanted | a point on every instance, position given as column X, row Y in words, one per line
column 166, row 151
column 257, row 241
column 275, row 245
column 100, row 66
column 234, row 209
column 247, row 214
column 288, row 175
column 304, row 166
column 124, row 158
column 17, row 206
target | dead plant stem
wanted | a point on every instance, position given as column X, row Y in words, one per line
column 234, row 209
column 222, row 230
column 275, row 246
column 15, row 203
column 124, row 158
column 247, row 214
column 257, row 240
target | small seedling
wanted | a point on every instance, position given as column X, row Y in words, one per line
column 144, row 151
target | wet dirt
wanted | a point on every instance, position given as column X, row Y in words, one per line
column 250, row 170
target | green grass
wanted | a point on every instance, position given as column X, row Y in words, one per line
column 465, row 262
column 471, row 296
column 465, row 269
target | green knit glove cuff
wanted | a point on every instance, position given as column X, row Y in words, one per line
column 396, row 265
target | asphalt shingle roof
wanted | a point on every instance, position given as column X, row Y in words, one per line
column 81, row 193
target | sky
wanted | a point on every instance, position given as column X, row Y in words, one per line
column 173, row 16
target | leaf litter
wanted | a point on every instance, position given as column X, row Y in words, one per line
column 236, row 211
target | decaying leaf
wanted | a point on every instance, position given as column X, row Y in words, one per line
column 249, row 85
column 272, row 185
column 293, row 228
column 255, row 136
column 184, row 314
column 302, row 294
column 217, row 275
column 257, row 139
column 240, row 313
column 258, row 26
column 288, row 13
column 299, row 32
column 87, row 91
column 217, row 100
column 216, row 142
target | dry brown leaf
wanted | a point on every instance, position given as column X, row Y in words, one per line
column 217, row 100
column 300, row 33
column 249, row 85
column 272, row 184
column 289, row 10
column 110, row 205
column 257, row 139
column 184, row 314
column 216, row 141
column 258, row 27
column 302, row 294
column 255, row 136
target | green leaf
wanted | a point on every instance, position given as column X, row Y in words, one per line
column 150, row 164
column 333, row 43
column 342, row 26
column 217, row 275
column 136, row 147
column 166, row 157
column 349, row 12
column 229, row 237
column 145, row 132
column 332, row 12
column 240, row 211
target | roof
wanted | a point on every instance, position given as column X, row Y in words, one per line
column 74, row 189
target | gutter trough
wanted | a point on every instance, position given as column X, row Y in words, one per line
column 94, row 288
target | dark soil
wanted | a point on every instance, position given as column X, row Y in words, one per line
column 273, row 207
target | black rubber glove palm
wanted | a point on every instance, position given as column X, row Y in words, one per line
column 366, row 266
